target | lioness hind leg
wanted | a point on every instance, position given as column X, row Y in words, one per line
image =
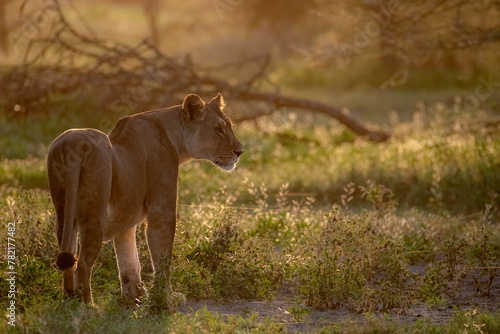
column 68, row 269
column 128, row 263
column 69, row 281
column 90, row 246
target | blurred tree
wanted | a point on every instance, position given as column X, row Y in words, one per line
column 278, row 12
column 4, row 31
column 152, row 9
column 397, row 32
column 408, row 29
column 384, row 24
column 283, row 19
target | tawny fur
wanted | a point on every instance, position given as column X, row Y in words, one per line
column 66, row 260
column 103, row 185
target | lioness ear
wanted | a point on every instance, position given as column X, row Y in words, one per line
column 218, row 101
column 193, row 107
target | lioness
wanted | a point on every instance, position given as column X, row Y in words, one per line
column 102, row 186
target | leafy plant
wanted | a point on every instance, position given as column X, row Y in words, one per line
column 484, row 262
column 357, row 267
column 298, row 311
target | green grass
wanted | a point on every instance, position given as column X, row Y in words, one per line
column 439, row 160
column 334, row 220
column 223, row 254
column 71, row 317
column 324, row 253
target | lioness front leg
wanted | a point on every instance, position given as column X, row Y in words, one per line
column 160, row 233
column 128, row 263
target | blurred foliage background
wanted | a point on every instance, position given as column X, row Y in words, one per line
column 415, row 44
column 428, row 72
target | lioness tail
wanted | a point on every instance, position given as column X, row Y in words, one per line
column 66, row 260
column 72, row 168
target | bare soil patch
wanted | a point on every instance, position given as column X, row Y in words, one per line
column 463, row 296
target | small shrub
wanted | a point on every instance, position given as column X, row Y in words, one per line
column 356, row 266
column 298, row 311
column 191, row 279
column 208, row 252
column 484, row 261
column 252, row 270
column 231, row 263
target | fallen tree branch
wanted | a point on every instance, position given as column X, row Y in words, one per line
column 291, row 102
column 281, row 101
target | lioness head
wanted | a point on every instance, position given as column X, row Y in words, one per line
column 209, row 132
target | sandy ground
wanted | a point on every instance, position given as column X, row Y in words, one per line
column 463, row 296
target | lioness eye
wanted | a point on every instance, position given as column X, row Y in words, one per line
column 220, row 131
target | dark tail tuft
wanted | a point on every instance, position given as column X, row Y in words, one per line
column 66, row 260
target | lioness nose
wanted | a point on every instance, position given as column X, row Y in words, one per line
column 238, row 152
